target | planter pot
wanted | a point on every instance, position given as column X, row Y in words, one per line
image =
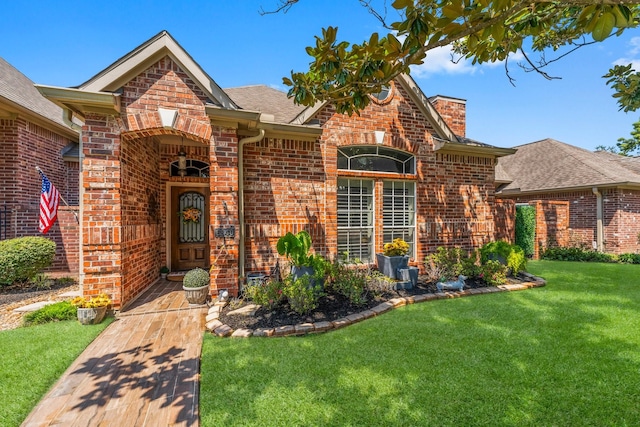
column 388, row 265
column 196, row 296
column 298, row 272
column 163, row 275
column 91, row 316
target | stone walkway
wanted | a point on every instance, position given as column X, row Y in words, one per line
column 143, row 370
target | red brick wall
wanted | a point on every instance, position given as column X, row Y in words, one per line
column 552, row 224
column 453, row 112
column 621, row 222
column 23, row 146
column 505, row 217
column 291, row 185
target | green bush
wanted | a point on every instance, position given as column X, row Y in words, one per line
column 195, row 278
column 301, row 295
column 268, row 294
column 349, row 281
column 578, row 254
column 58, row 311
column 510, row 255
column 526, row 229
column 449, row 263
column 22, row 258
column 629, row 258
column 494, row 273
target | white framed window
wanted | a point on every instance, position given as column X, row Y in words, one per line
column 355, row 218
column 399, row 212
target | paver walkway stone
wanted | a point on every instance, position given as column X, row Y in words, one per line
column 143, row 370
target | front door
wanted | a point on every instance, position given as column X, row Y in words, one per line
column 189, row 228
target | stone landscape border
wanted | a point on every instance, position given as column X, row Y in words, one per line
column 215, row 326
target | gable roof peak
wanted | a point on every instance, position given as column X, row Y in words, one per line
column 143, row 56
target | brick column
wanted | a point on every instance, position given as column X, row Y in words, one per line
column 101, row 219
column 223, row 205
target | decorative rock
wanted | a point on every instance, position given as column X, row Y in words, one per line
column 263, row 332
column 248, row 310
column 282, row 331
column 382, row 308
column 340, row 323
column 322, row 326
column 212, row 316
column 215, row 309
column 212, row 325
column 242, row 333
column 223, row 331
column 303, row 328
column 398, row 302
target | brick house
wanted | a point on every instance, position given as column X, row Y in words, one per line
column 582, row 198
column 161, row 138
column 33, row 133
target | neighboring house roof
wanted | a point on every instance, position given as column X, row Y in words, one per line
column 16, row 89
column 267, row 100
column 551, row 165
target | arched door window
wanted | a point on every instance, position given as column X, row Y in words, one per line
column 374, row 158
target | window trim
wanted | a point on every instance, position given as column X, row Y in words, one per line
column 410, row 158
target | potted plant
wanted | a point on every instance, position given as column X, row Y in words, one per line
column 196, row 286
column 296, row 248
column 164, row 270
column 393, row 256
column 91, row 311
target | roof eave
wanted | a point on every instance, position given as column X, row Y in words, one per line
column 37, row 118
column 518, row 192
column 458, row 147
column 82, row 102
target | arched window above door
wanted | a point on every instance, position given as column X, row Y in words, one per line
column 195, row 168
column 374, row 158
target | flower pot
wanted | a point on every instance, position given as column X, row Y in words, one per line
column 91, row 316
column 196, row 296
column 388, row 265
column 163, row 275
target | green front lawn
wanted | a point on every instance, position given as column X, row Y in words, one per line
column 565, row 354
column 33, row 358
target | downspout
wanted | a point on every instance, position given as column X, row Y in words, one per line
column 599, row 215
column 241, row 233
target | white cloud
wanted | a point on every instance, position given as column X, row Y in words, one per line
column 631, row 54
column 442, row 60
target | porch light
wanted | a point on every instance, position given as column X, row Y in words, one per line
column 182, row 163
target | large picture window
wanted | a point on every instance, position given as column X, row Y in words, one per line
column 399, row 212
column 355, row 219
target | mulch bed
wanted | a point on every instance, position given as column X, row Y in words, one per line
column 330, row 307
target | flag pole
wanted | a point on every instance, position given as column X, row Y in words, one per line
column 60, row 195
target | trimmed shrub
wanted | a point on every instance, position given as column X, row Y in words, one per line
column 629, row 258
column 504, row 252
column 526, row 229
column 195, row 278
column 58, row 311
column 24, row 257
column 578, row 254
column 348, row 281
column 493, row 273
column 268, row 294
column 449, row 263
column 301, row 295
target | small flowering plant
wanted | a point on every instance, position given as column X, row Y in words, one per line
column 190, row 214
column 101, row 300
column 396, row 248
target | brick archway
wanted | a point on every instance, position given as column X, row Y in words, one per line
column 149, row 123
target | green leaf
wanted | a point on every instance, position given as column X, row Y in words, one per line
column 402, row 4
column 604, row 26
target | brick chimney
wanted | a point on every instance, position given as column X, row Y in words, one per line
column 453, row 112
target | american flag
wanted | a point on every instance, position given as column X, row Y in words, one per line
column 48, row 205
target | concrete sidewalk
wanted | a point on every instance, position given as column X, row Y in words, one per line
column 143, row 370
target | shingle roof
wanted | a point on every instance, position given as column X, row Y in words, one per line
column 553, row 165
column 18, row 89
column 266, row 100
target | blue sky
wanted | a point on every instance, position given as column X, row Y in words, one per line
column 66, row 43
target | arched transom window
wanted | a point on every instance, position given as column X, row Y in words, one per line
column 194, row 168
column 375, row 159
